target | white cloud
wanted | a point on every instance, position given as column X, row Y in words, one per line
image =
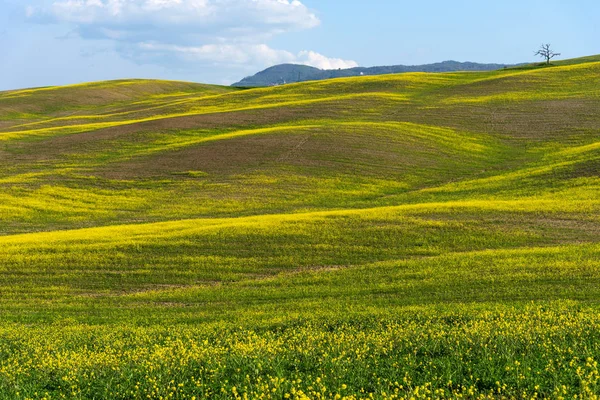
column 177, row 33
column 236, row 54
column 320, row 61
column 181, row 18
column 255, row 55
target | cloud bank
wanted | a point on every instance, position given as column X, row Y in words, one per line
column 228, row 33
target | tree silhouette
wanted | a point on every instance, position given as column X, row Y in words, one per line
column 546, row 53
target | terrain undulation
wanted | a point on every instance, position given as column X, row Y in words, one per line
column 400, row 236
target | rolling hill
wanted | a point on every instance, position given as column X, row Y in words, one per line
column 294, row 73
column 405, row 235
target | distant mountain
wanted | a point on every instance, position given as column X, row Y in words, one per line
column 290, row 73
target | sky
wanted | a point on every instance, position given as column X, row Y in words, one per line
column 57, row 42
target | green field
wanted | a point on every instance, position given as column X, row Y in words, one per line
column 399, row 236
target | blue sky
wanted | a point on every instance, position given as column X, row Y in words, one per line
column 54, row 42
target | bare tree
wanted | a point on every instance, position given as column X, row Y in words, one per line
column 546, row 53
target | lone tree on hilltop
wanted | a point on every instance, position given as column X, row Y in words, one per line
column 546, row 52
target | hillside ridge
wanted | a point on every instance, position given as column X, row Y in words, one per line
column 403, row 235
column 292, row 73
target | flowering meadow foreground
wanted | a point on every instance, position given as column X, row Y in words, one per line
column 399, row 236
column 533, row 352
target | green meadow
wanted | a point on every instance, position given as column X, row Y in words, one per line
column 397, row 236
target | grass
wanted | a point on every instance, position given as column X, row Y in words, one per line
column 399, row 236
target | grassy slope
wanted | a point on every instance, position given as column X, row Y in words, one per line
column 398, row 217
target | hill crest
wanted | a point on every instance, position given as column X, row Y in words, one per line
column 293, row 73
